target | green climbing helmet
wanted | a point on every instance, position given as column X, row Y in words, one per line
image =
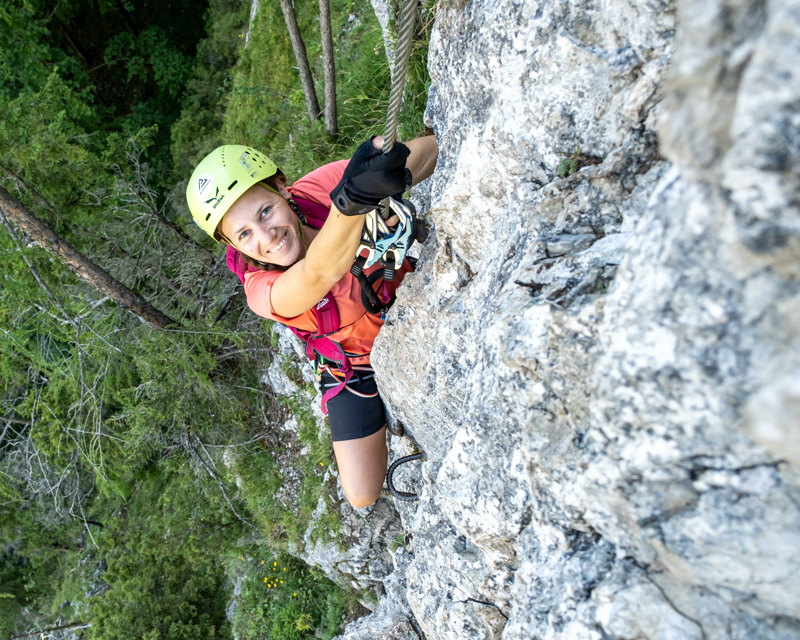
column 221, row 178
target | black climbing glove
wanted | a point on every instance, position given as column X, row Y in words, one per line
column 370, row 177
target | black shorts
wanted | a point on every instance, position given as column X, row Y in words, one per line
column 357, row 410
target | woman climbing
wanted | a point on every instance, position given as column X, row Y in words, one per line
column 293, row 248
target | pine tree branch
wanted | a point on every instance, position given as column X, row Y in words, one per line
column 66, row 317
column 141, row 191
column 22, row 184
column 84, row 268
column 26, row 423
column 191, row 440
column 63, row 627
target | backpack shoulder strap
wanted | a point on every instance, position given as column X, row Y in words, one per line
column 327, row 315
column 315, row 214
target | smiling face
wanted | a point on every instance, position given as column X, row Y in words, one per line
column 262, row 225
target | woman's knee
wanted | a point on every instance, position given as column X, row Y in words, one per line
column 362, row 497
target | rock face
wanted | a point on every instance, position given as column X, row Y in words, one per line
column 600, row 351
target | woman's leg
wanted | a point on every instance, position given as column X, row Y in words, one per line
column 362, row 467
column 358, row 430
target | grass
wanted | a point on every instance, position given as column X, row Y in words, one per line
column 283, row 599
column 574, row 161
column 398, row 542
column 292, row 371
column 281, row 487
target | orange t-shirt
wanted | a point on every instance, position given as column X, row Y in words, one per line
column 317, row 185
column 358, row 328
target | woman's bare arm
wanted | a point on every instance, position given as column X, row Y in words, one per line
column 327, row 260
column 422, row 160
column 331, row 254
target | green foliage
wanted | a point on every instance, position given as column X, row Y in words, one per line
column 23, row 585
column 123, row 500
column 151, row 58
column 575, row 161
column 283, row 512
column 197, row 131
column 163, row 573
column 27, row 55
column 43, row 137
column 399, row 541
column 284, row 599
column 184, row 389
column 32, row 569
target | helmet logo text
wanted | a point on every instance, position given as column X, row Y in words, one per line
column 216, row 199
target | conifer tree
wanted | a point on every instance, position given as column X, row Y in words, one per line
column 46, row 238
column 329, row 68
column 301, row 56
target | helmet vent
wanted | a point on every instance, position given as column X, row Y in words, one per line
column 233, row 184
column 207, row 217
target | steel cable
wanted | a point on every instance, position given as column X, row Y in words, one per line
column 400, row 71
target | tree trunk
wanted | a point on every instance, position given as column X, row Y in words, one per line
column 205, row 255
column 46, row 238
column 27, row 423
column 302, row 59
column 331, row 120
column 76, row 46
column 63, row 627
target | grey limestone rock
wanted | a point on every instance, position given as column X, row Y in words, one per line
column 383, row 12
column 603, row 365
column 393, row 619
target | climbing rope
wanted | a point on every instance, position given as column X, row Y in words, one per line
column 401, row 495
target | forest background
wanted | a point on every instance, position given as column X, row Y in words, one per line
column 142, row 470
